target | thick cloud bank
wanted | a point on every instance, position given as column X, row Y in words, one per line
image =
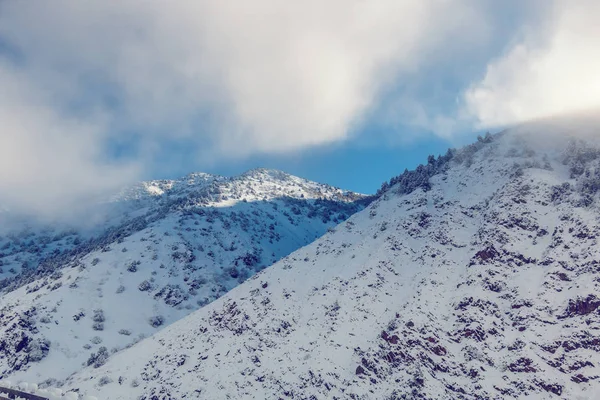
column 92, row 90
column 552, row 71
column 233, row 78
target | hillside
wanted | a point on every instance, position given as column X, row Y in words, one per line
column 473, row 277
column 161, row 250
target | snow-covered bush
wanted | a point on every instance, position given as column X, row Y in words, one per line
column 132, row 267
column 98, row 319
column 98, row 359
column 144, row 286
column 38, row 349
column 156, row 321
column 96, row 340
column 98, row 316
column 105, row 380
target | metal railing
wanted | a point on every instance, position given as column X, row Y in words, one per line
column 6, row 393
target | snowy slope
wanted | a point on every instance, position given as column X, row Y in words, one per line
column 166, row 249
column 479, row 282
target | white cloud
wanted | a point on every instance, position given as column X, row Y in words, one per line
column 552, row 71
column 279, row 75
column 48, row 162
column 235, row 78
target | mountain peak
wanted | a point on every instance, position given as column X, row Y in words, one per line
column 265, row 172
column 470, row 277
column 168, row 247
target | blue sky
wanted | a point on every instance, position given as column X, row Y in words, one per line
column 97, row 95
column 345, row 165
column 351, row 165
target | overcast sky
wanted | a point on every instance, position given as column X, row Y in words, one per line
column 98, row 94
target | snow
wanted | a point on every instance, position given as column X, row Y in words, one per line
column 203, row 235
column 455, row 292
column 479, row 283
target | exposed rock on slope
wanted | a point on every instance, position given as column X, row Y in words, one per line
column 481, row 283
column 167, row 249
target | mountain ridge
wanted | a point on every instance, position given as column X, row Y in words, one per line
column 158, row 257
column 478, row 283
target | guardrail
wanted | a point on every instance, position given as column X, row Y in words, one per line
column 17, row 394
column 31, row 391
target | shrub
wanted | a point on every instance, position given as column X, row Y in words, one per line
column 98, row 316
column 105, row 380
column 96, row 340
column 98, row 326
column 79, row 315
column 98, row 359
column 156, row 321
column 132, row 267
column 38, row 349
column 233, row 272
column 145, row 286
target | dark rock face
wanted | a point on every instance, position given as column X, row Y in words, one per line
column 552, row 388
column 390, row 339
column 488, row 253
column 582, row 306
column 22, row 344
column 522, row 365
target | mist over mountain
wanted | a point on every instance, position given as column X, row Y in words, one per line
column 166, row 249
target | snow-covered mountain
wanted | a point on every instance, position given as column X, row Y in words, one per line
column 473, row 277
column 162, row 250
